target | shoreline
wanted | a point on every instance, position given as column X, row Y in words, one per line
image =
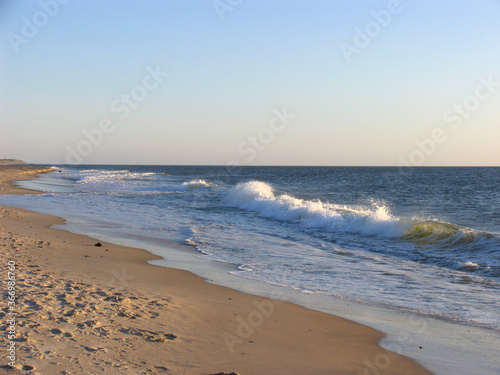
column 89, row 308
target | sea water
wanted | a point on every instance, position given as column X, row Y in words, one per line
column 423, row 241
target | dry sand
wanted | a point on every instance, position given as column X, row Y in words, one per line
column 84, row 309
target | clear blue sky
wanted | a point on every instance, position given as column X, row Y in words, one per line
column 230, row 70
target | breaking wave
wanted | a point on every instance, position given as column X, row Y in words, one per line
column 376, row 219
column 259, row 197
column 195, row 184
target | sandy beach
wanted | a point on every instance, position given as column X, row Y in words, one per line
column 87, row 309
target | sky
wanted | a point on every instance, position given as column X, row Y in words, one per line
column 261, row 82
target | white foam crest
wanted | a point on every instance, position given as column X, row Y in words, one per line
column 246, row 192
column 184, row 187
column 94, row 176
column 195, row 184
column 470, row 265
column 259, row 197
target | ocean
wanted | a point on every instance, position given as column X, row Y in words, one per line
column 419, row 240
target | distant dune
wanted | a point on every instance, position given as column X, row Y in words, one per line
column 11, row 161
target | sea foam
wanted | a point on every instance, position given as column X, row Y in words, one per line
column 195, row 184
column 260, row 197
column 375, row 219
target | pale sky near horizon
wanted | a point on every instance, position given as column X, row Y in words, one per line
column 360, row 82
